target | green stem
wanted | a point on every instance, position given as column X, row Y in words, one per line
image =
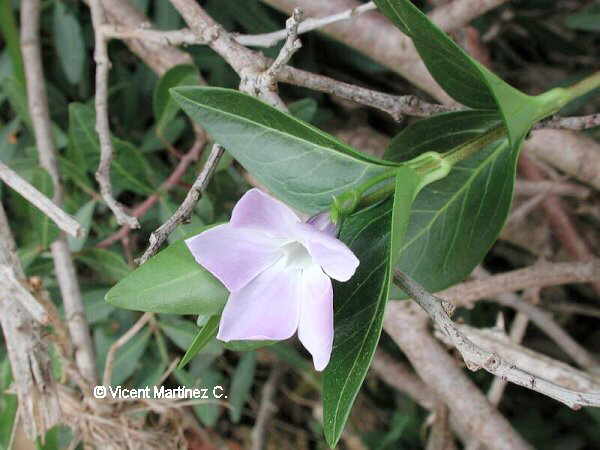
column 556, row 98
column 582, row 87
column 377, row 196
column 10, row 33
column 474, row 145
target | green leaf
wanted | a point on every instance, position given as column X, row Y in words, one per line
column 8, row 405
column 10, row 34
column 127, row 358
column 203, row 337
column 105, row 262
column 302, row 165
column 180, row 331
column 241, row 384
column 84, row 217
column 42, row 230
column 170, row 282
column 455, row 221
column 304, row 109
column 463, row 78
column 359, row 304
column 208, row 412
column 96, row 309
column 165, row 108
column 246, row 346
column 69, row 42
column 130, row 169
column 588, row 19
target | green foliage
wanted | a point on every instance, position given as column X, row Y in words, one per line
column 455, row 221
column 165, row 108
column 42, row 231
column 299, row 163
column 463, row 78
column 588, row 19
column 129, row 168
column 106, row 263
column 127, row 358
column 170, row 282
column 203, row 337
column 373, row 234
column 8, row 405
column 69, row 42
column 241, row 384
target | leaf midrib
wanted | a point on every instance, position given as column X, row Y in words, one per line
column 475, row 173
column 352, row 154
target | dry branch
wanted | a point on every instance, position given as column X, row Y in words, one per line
column 102, row 120
column 406, row 325
column 40, row 117
column 477, row 357
column 64, row 221
column 184, row 211
column 548, row 274
column 27, row 349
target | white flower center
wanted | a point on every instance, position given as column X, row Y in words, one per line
column 295, row 256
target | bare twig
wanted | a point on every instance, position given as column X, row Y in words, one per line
column 394, row 105
column 402, row 378
column 548, row 274
column 187, row 37
column 559, row 220
column 574, row 154
column 64, row 221
column 40, row 117
column 140, row 210
column 160, row 57
column 102, row 121
column 267, row 81
column 476, row 357
column 523, row 187
column 27, row 349
column 407, row 326
column 16, row 291
column 541, row 318
column 548, row 368
column 267, row 408
column 184, row 210
column 248, row 66
column 310, row 24
column 112, row 351
column 569, row 123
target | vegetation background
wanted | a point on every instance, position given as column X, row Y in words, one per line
column 533, row 44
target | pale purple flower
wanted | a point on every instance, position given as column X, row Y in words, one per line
column 278, row 270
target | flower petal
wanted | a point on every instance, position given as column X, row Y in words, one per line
column 322, row 222
column 258, row 210
column 315, row 329
column 336, row 259
column 235, row 256
column 268, row 308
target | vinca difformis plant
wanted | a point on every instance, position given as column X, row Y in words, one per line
column 431, row 207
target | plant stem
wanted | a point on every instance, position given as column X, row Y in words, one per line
column 554, row 99
column 474, row 145
column 583, row 87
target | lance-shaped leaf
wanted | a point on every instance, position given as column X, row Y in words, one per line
column 130, row 170
column 463, row 78
column 302, row 165
column 165, row 108
column 455, row 221
column 203, row 337
column 374, row 235
column 170, row 282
